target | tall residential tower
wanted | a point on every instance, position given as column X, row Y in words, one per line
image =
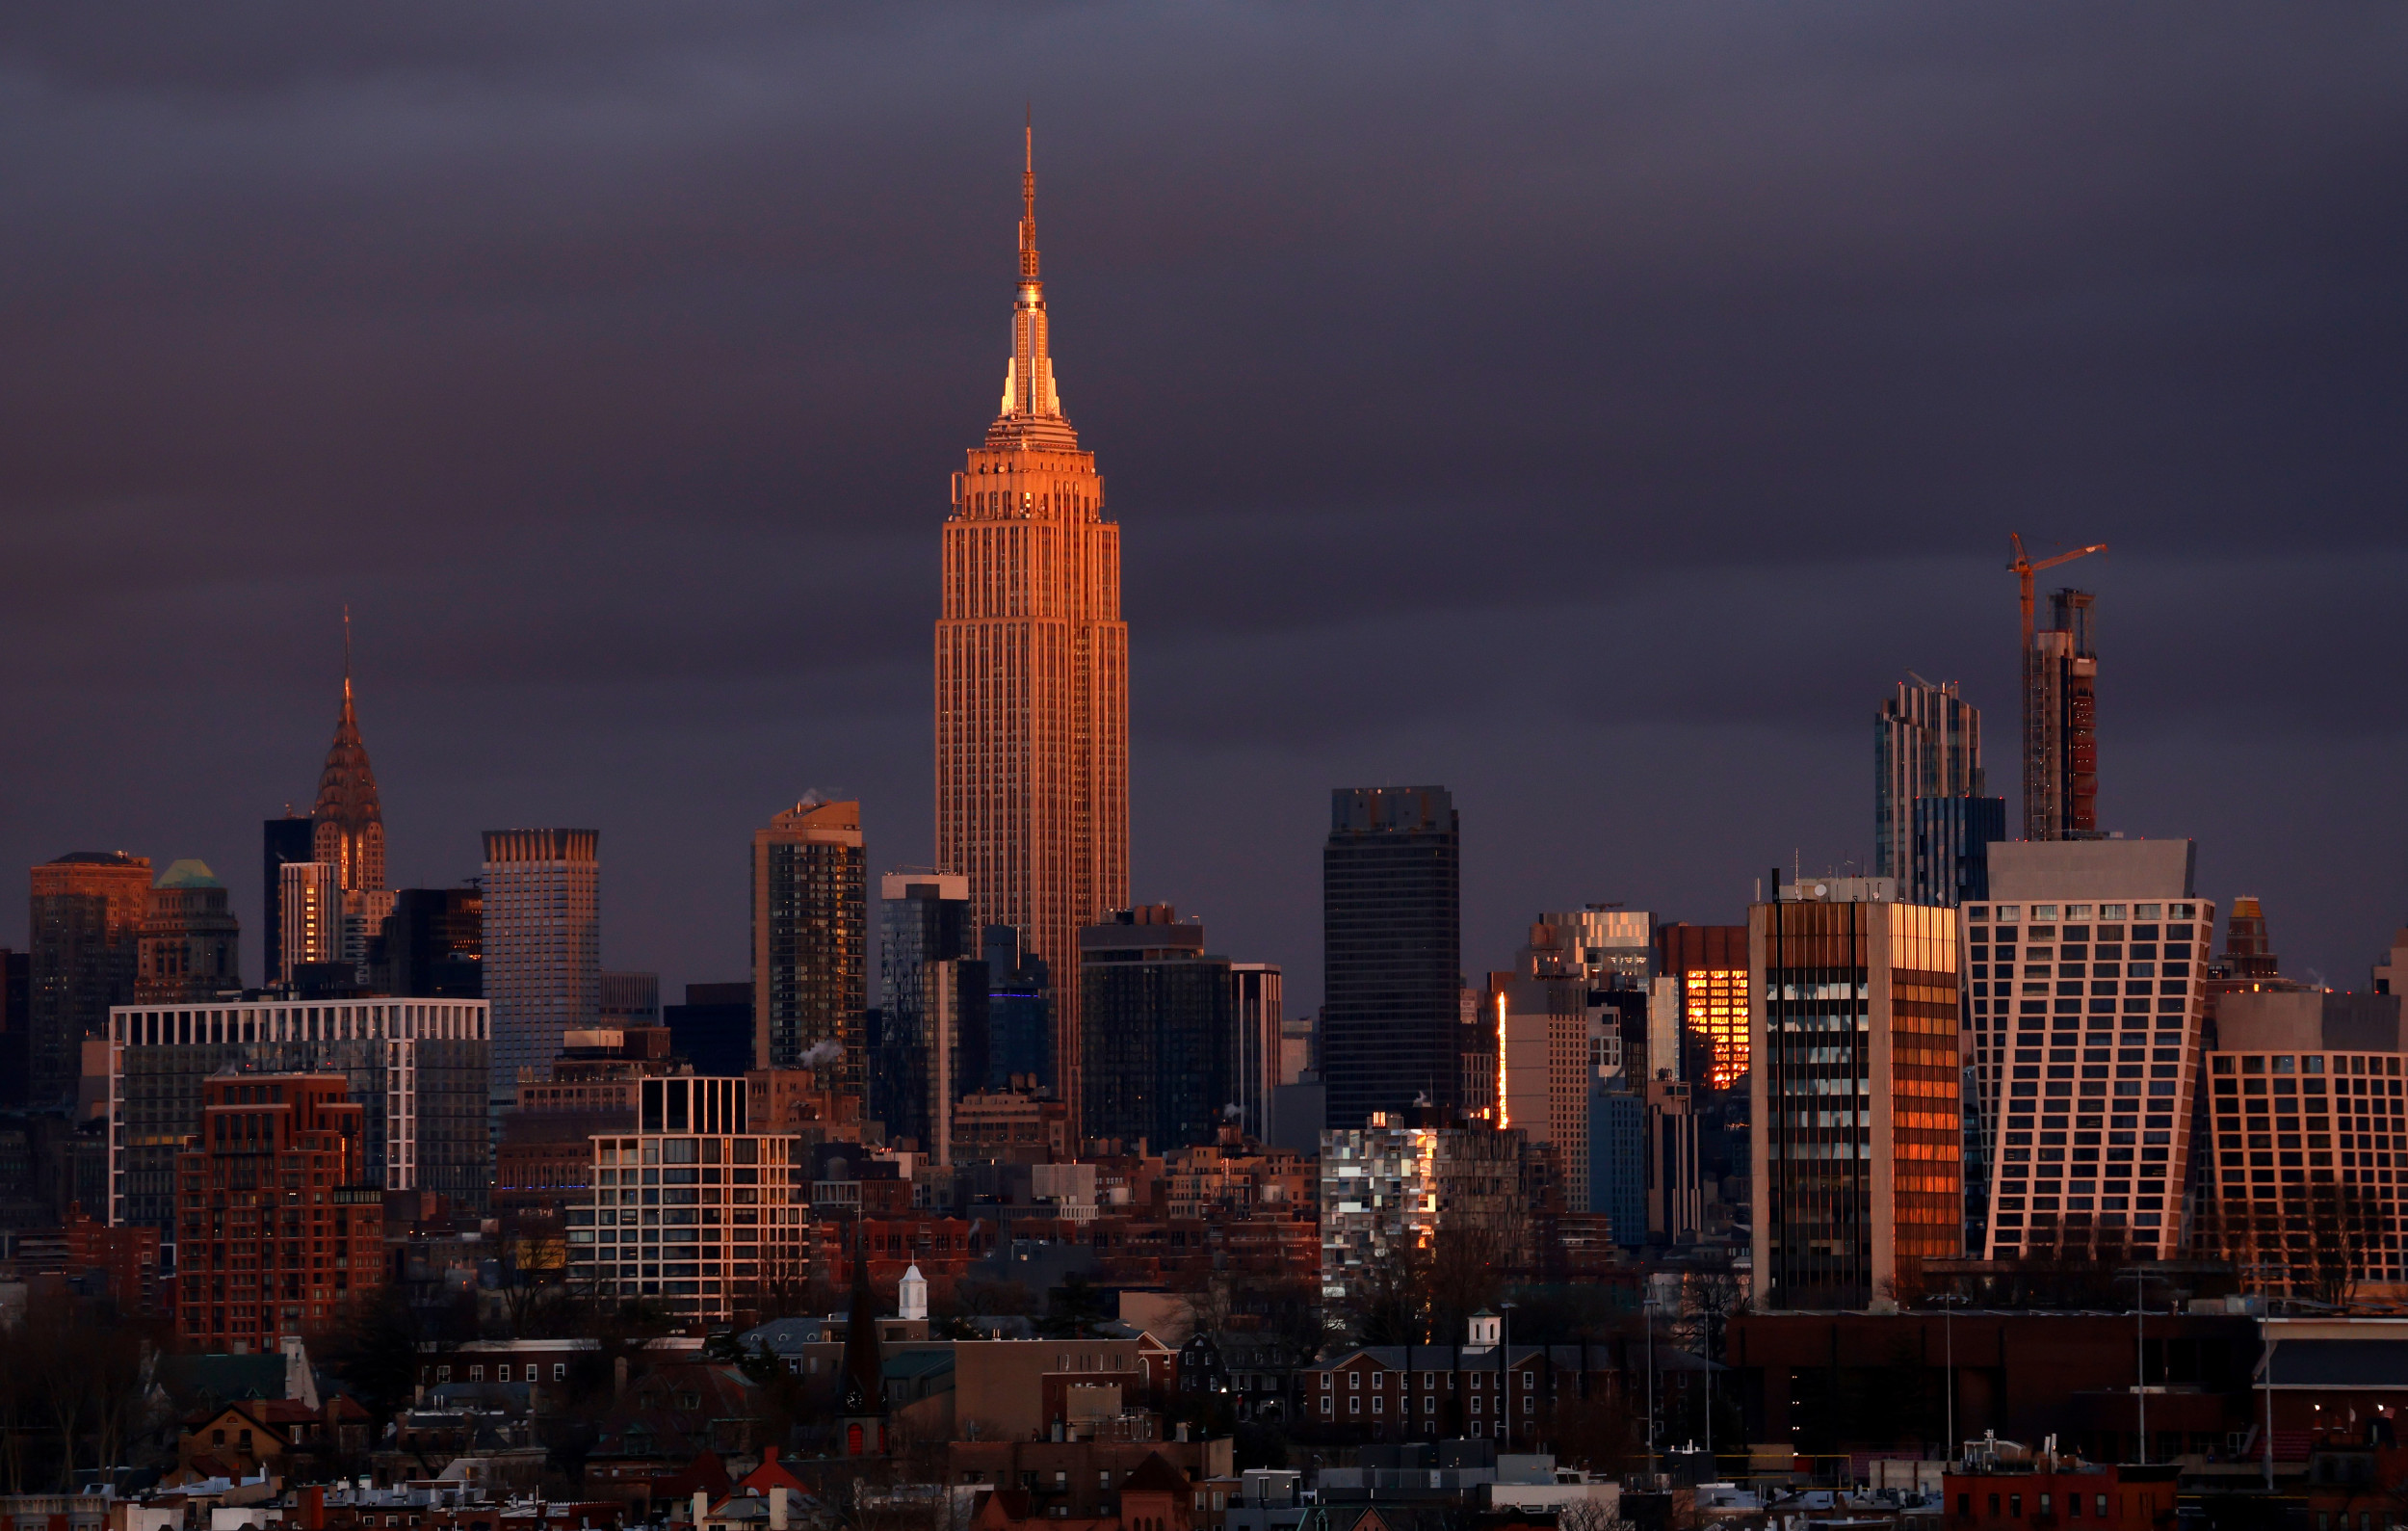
column 1393, row 1021
column 542, row 946
column 810, row 941
column 1927, row 744
column 1032, row 673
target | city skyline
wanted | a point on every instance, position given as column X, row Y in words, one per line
column 697, row 697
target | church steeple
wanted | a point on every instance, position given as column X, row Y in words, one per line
column 1032, row 410
column 349, row 818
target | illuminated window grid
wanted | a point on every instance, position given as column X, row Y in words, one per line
column 2308, row 1169
column 1717, row 1009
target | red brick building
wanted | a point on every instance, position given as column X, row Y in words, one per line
column 279, row 1222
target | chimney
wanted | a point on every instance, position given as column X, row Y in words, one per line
column 777, row 1507
column 701, row 1507
column 618, row 1375
column 313, row 1507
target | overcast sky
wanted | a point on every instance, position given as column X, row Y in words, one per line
column 1594, row 411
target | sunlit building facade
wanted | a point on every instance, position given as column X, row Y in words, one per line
column 2087, row 977
column 811, row 941
column 418, row 1070
column 698, row 1209
column 1707, row 969
column 1927, row 744
column 542, row 946
column 1032, row 674
column 1854, row 1092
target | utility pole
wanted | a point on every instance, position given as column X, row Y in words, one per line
column 1647, row 1313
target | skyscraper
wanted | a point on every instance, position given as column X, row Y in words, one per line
column 1161, row 1024
column 285, row 840
column 432, row 944
column 2089, row 994
column 2060, row 724
column 1927, row 744
column 347, row 826
column 1953, row 838
column 543, row 945
column 931, row 1007
column 191, row 944
column 1703, row 979
column 1857, row 1146
column 1032, row 673
column 1259, row 989
column 1393, row 1020
column 86, row 918
column 310, row 901
column 810, row 941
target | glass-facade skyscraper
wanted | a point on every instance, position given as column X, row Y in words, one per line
column 1159, row 1017
column 1392, row 1027
column 931, row 1047
column 1927, row 744
column 810, row 942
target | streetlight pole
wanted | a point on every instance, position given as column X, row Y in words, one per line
column 2140, row 1350
column 1949, row 1302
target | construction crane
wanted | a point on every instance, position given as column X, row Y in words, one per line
column 2023, row 569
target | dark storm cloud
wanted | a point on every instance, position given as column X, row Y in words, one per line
column 1593, row 409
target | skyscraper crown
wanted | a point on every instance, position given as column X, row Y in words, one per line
column 1032, row 410
column 349, row 818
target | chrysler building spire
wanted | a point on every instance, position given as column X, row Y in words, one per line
column 350, row 820
column 1032, row 410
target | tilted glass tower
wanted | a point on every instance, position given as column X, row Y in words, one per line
column 1032, row 673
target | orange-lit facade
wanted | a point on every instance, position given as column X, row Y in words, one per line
column 1858, row 1146
column 1032, row 674
column 279, row 1221
column 1708, row 967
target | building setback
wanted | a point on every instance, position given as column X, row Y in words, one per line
column 542, row 946
column 1392, row 1019
column 418, row 1070
column 810, row 941
column 280, row 1222
column 1854, row 1092
column 1032, row 674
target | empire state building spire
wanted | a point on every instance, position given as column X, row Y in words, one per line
column 1032, row 409
column 1033, row 681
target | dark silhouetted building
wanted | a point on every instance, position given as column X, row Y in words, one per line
column 289, row 839
column 191, row 944
column 810, row 941
column 713, row 1029
column 1952, row 839
column 933, row 1041
column 1019, row 1010
column 433, row 946
column 1927, row 744
column 1393, row 1023
column 1160, row 1032
column 629, row 999
column 16, row 1028
column 86, row 918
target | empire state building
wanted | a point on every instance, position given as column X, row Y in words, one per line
column 1032, row 674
